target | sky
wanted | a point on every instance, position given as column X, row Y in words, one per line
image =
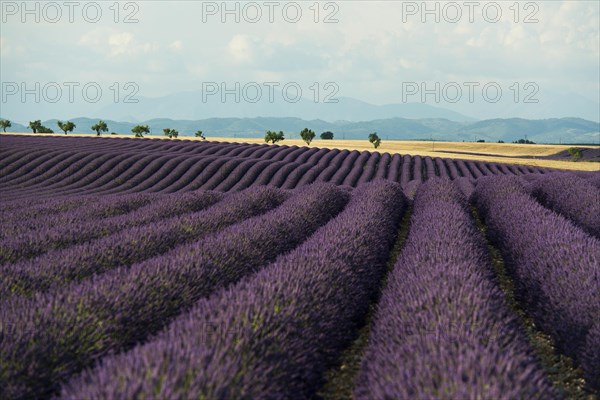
column 483, row 59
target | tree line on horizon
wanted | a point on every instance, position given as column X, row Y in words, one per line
column 307, row 135
column 99, row 127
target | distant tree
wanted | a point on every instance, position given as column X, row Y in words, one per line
column 327, row 135
column 500, row 141
column 43, row 129
column 524, row 141
column 4, row 123
column 200, row 135
column 139, row 130
column 171, row 133
column 66, row 126
column 481, row 141
column 307, row 135
column 575, row 153
column 100, row 127
column 113, row 133
column 374, row 138
column 35, row 125
column 274, row 137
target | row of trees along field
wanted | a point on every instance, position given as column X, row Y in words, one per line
column 100, row 127
column 308, row 135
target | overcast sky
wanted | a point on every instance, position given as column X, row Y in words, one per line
column 370, row 50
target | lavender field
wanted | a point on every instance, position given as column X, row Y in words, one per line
column 154, row 269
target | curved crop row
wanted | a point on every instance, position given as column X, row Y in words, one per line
column 60, row 267
column 275, row 334
column 556, row 266
column 140, row 208
column 88, row 166
column 443, row 329
column 572, row 196
column 101, row 166
column 52, row 336
column 68, row 210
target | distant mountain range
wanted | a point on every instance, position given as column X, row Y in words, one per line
column 192, row 106
column 558, row 130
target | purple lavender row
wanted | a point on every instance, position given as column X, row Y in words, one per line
column 332, row 168
column 102, row 169
column 556, row 266
column 293, row 179
column 70, row 210
column 405, row 174
column 31, row 161
column 319, row 168
column 275, row 334
column 73, row 210
column 26, row 209
column 382, row 167
column 443, row 329
column 79, row 164
column 369, row 169
column 26, row 174
column 357, row 169
column 275, row 174
column 230, row 172
column 417, row 173
column 344, row 169
column 141, row 208
column 395, row 168
column 52, row 336
column 571, row 196
column 21, row 158
column 60, row 169
column 107, row 169
column 443, row 171
column 252, row 175
column 594, row 179
column 60, row 267
column 137, row 168
column 144, row 170
column 158, row 175
column 429, row 167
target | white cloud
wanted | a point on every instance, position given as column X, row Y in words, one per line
column 120, row 43
column 176, row 46
column 115, row 44
column 241, row 49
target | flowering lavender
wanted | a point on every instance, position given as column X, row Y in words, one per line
column 556, row 265
column 406, row 173
column 395, row 168
column 273, row 335
column 53, row 335
column 442, row 328
column 136, row 244
column 321, row 165
column 369, row 169
column 358, row 168
column 345, row 168
column 429, row 168
column 69, row 210
column 48, row 236
column 442, row 170
column 85, row 166
column 464, row 171
column 571, row 196
column 383, row 166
